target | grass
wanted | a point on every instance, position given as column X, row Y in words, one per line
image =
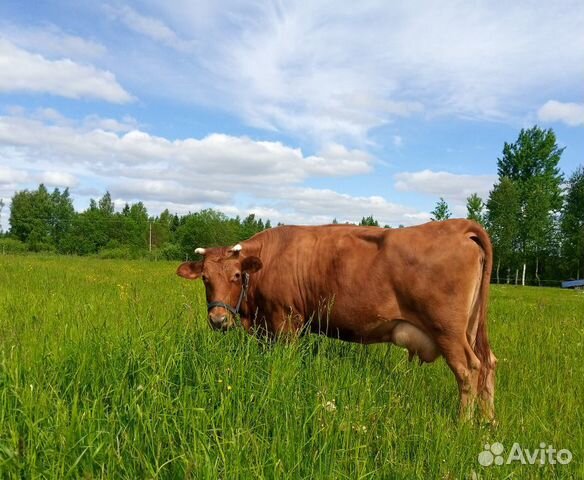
column 108, row 369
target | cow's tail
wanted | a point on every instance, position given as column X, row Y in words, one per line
column 481, row 345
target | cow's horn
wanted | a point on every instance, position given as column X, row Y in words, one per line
column 200, row 251
column 236, row 248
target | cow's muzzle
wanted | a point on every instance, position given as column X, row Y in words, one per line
column 219, row 321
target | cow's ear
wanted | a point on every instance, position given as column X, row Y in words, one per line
column 190, row 270
column 251, row 264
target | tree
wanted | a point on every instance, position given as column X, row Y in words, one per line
column 40, row 219
column 369, row 222
column 531, row 163
column 106, row 205
column 475, row 209
column 441, row 211
column 503, row 211
column 87, row 234
column 161, row 229
column 61, row 216
column 96, row 228
column 572, row 225
column 139, row 213
column 1, row 207
column 30, row 218
column 207, row 228
column 250, row 226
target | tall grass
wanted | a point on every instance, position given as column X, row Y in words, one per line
column 108, row 369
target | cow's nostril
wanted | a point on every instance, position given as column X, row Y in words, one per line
column 217, row 320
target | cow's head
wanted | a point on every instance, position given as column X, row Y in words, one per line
column 224, row 272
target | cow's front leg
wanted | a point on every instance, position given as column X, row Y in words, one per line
column 287, row 323
column 246, row 323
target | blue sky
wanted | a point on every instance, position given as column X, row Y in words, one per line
column 297, row 111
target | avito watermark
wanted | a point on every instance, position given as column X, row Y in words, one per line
column 494, row 454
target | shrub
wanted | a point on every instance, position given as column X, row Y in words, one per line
column 170, row 251
column 11, row 245
column 121, row 253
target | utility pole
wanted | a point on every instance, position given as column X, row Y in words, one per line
column 150, row 238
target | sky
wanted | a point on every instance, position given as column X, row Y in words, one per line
column 299, row 112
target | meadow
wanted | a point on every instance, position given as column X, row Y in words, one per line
column 108, row 369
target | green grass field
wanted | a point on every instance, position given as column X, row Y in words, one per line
column 108, row 369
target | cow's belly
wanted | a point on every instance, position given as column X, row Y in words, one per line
column 399, row 332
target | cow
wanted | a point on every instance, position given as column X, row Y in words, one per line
column 424, row 288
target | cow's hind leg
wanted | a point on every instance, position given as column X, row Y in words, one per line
column 487, row 391
column 466, row 367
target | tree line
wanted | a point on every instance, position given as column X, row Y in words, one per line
column 43, row 221
column 534, row 214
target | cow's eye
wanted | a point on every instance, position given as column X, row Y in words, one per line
column 237, row 276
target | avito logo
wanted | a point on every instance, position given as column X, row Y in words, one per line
column 495, row 454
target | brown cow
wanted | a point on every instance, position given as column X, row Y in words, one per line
column 424, row 288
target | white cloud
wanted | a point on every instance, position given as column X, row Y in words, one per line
column 571, row 114
column 321, row 205
column 151, row 189
column 57, row 179
column 334, row 72
column 51, row 41
column 23, row 71
column 10, row 175
column 10, row 180
column 93, row 122
column 335, row 160
column 152, row 28
column 189, row 174
column 186, row 173
column 227, row 159
column 451, row 186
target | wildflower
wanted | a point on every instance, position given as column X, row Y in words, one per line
column 330, row 406
column 123, row 291
column 360, row 428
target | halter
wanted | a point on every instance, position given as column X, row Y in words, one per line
column 242, row 295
